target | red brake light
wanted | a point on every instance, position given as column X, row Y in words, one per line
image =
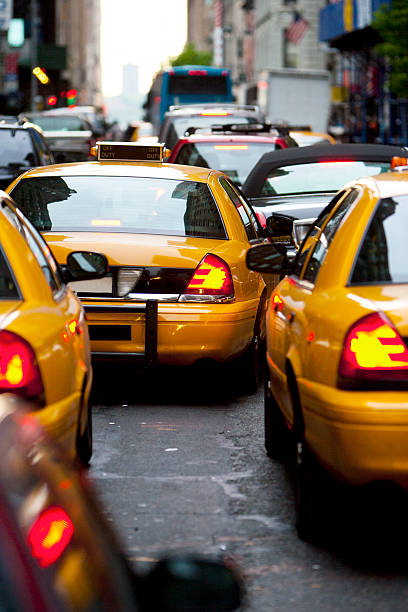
column 212, row 277
column 374, row 352
column 50, row 535
column 19, row 371
column 197, row 72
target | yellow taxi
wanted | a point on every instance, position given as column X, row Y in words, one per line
column 178, row 290
column 59, row 553
column 337, row 345
column 44, row 342
column 307, row 137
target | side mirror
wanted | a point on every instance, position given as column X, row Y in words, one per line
column 300, row 229
column 187, row 583
column 265, row 258
column 280, row 228
column 85, row 265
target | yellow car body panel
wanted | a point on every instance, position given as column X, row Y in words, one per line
column 359, row 435
column 186, row 330
column 46, row 321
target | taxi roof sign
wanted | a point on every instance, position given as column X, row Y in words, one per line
column 129, row 151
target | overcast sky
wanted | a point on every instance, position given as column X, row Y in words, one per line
column 140, row 32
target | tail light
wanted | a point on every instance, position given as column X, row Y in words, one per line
column 374, row 355
column 211, row 281
column 50, row 535
column 19, row 371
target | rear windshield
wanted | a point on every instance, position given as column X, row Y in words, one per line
column 57, row 123
column 381, row 258
column 317, row 177
column 235, row 159
column 120, row 204
column 16, row 148
column 189, row 84
column 179, row 125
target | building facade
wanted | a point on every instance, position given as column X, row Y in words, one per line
column 362, row 103
column 62, row 38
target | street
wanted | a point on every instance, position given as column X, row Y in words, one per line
column 180, row 466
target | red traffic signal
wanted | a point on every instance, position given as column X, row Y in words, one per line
column 71, row 96
column 51, row 100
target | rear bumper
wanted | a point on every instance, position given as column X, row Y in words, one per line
column 170, row 333
column 358, row 436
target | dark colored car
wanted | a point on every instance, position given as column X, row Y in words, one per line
column 22, row 146
column 58, row 553
column 179, row 118
column 299, row 182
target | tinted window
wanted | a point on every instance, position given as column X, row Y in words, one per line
column 43, row 150
column 236, row 159
column 332, row 225
column 38, row 247
column 310, row 238
column 381, row 258
column 120, row 204
column 322, row 176
column 191, row 84
column 8, row 288
column 16, row 148
column 241, row 208
column 59, row 122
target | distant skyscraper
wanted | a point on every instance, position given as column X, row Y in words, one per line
column 130, row 80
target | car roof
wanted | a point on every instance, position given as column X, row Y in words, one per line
column 136, row 169
column 188, row 109
column 313, row 154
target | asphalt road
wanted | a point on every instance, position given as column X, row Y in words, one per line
column 180, row 466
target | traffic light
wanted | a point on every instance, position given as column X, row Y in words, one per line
column 52, row 100
column 41, row 75
column 71, row 97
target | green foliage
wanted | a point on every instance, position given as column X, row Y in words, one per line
column 392, row 25
column 190, row 55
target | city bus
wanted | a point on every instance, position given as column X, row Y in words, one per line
column 186, row 85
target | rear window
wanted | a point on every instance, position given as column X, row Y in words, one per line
column 8, row 288
column 16, row 148
column 120, row 204
column 179, row 125
column 191, row 84
column 317, row 177
column 64, row 124
column 236, row 159
column 381, row 258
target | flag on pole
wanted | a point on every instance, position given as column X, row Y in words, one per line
column 297, row 28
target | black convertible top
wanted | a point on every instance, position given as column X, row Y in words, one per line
column 314, row 153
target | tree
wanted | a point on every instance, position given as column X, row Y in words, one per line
column 190, row 55
column 391, row 23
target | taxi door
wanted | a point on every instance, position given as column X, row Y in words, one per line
column 295, row 305
column 65, row 332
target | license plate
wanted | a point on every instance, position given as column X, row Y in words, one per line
column 98, row 286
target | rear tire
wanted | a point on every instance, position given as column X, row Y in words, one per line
column 248, row 367
column 277, row 435
column 84, row 443
column 312, row 494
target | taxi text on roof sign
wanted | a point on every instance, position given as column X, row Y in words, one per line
column 129, row 151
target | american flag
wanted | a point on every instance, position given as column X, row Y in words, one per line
column 297, row 28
